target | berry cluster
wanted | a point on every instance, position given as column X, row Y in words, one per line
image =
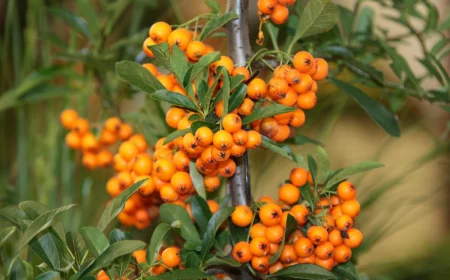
column 95, row 149
column 324, row 237
column 290, row 86
column 275, row 10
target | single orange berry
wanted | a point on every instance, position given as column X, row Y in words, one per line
column 303, row 247
column 223, row 140
column 266, row 6
column 299, row 176
column 174, row 116
column 279, row 15
column 346, row 191
column 342, row 254
column 180, row 37
column 145, row 47
column 152, row 68
column 303, row 61
column 232, row 123
column 288, row 254
column 259, row 246
column 289, row 194
column 164, row 169
column 227, row 168
column 351, row 208
column 258, row 230
column 159, row 32
column 241, row 252
column 318, row 235
column 275, row 234
column 69, row 118
column 204, row 136
column 212, row 183
column 354, row 238
column 327, row 264
column 257, row 89
column 241, row 71
column 300, row 213
column 325, row 251
column 254, row 139
column 260, row 264
column 242, row 216
column 195, row 50
column 171, row 257
column 322, row 69
column 73, row 140
column 270, row 214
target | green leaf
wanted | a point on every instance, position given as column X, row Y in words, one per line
column 113, row 252
column 40, row 224
column 76, row 244
column 318, row 16
column 445, row 25
column 237, row 97
column 5, row 233
column 274, row 31
column 47, row 248
column 267, row 111
column 185, row 274
column 74, row 21
column 238, row 233
column 225, row 91
column 116, row 205
column 88, row 12
column 323, row 166
column 13, row 216
column 433, row 17
column 300, row 139
column 306, row 194
column 174, row 98
column 178, row 63
column 95, row 240
column 344, row 173
column 364, row 25
column 137, row 76
column 235, row 81
column 364, row 70
column 174, row 135
column 346, row 20
column 204, row 62
column 211, row 89
column 197, row 180
column 49, row 275
column 216, row 23
column 214, row 6
column 431, row 69
column 347, row 271
column 373, row 108
column 312, row 166
column 304, row 271
column 441, row 68
column 171, row 213
column 270, row 145
column 190, row 259
column 201, row 212
column 213, row 225
column 201, row 92
column 291, row 226
column 215, row 261
column 156, row 242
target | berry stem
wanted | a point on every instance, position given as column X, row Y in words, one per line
column 240, row 52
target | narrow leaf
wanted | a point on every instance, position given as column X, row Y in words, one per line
column 215, row 24
column 201, row 212
column 291, row 226
column 197, row 180
column 267, row 111
column 156, row 242
column 175, row 214
column 95, row 240
column 344, row 173
column 283, row 151
column 174, row 135
column 237, row 97
column 304, row 271
column 137, row 76
column 174, row 98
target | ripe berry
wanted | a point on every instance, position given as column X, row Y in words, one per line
column 164, row 169
column 232, row 123
column 180, row 37
column 89, row 160
column 279, row 15
column 288, row 254
column 346, row 191
column 300, row 213
column 224, row 61
column 325, row 251
column 304, row 85
column 241, row 252
column 160, row 31
column 68, row 118
column 240, row 137
column 322, row 69
column 258, row 230
column 145, row 47
column 266, row 6
column 125, row 131
column 275, row 234
column 181, row 182
column 222, row 140
column 242, row 216
column 195, row 50
column 212, row 183
column 260, row 264
column 259, row 246
column 354, row 239
column 73, row 140
column 171, row 257
column 298, row 119
column 289, row 194
column 227, row 168
column 241, row 71
column 327, row 264
column 204, row 136
column 81, row 126
column 335, row 238
column 318, row 235
column 147, row 187
column 307, row 100
column 152, row 68
column 246, row 107
column 277, row 88
column 303, row 247
column 299, row 176
column 284, row 131
column 303, row 61
column 257, row 89
column 213, row 206
column 342, row 254
column 344, row 222
column 254, row 139
column 237, row 150
column 275, row 267
column 174, row 116
column 351, row 208
column 168, row 193
column 270, row 214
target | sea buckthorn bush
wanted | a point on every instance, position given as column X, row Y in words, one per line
column 188, row 188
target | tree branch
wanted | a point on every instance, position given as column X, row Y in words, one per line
column 240, row 51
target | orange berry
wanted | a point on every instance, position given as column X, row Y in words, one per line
column 279, row 15
column 107, row 137
column 139, row 141
column 277, row 88
column 184, row 123
column 232, row 123
column 303, row 61
column 180, row 37
column 204, row 136
column 269, row 127
column 171, row 257
column 125, row 219
column 219, row 155
column 304, row 85
column 241, row 252
column 164, row 169
column 311, row 259
column 174, row 116
column 73, row 140
column 317, row 235
column 260, row 264
column 293, row 77
column 147, row 187
column 275, row 267
column 281, row 71
column 335, row 238
column 145, row 47
column 325, row 251
column 307, row 100
column 89, row 142
column 113, row 187
column 212, row 183
column 104, row 158
column 342, row 254
column 298, row 118
column 344, row 222
column 190, row 144
column 128, row 150
column 181, row 181
column 240, row 137
column 168, row 193
column 266, row 6
column 299, row 176
column 158, row 269
column 275, row 234
column 300, row 213
column 286, row 2
column 257, row 89
column 69, row 118
column 113, row 124
column 242, row 216
column 246, row 107
column 241, row 71
column 283, row 133
column 166, row 81
column 259, row 246
column 224, row 61
column 139, row 256
column 237, row 150
column 254, row 139
column 181, row 161
column 152, row 68
column 125, row 131
column 159, row 32
column 351, row 208
column 322, row 69
column 346, row 191
column 227, row 168
column 219, row 109
column 289, row 194
column 270, row 214
column 354, row 239
column 223, row 140
column 89, row 160
column 327, row 264
column 290, row 99
column 288, row 254
column 213, row 206
column 195, row 50
column 120, row 164
column 258, row 230
column 81, row 126
column 143, row 165
column 303, row 247
column 284, row 118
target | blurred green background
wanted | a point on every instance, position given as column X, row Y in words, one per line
column 47, row 66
